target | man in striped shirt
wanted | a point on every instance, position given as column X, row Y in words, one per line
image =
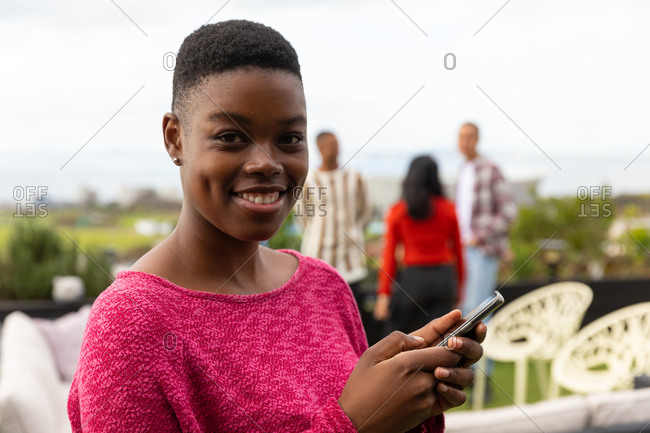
column 334, row 209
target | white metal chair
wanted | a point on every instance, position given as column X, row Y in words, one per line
column 532, row 327
column 606, row 354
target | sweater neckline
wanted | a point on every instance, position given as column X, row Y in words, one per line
column 224, row 297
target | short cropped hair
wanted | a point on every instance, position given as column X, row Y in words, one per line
column 472, row 125
column 323, row 134
column 226, row 46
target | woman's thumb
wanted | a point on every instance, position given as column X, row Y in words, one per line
column 397, row 342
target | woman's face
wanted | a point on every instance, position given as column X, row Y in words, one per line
column 245, row 151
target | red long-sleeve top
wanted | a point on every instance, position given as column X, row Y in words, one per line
column 431, row 241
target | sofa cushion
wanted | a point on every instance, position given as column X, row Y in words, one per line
column 558, row 415
column 626, row 428
column 622, row 407
column 64, row 336
column 31, row 393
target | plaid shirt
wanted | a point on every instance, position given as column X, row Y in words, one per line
column 493, row 208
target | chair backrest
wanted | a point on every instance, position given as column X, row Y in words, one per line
column 608, row 353
column 536, row 324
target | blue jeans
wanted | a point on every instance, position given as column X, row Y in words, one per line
column 481, row 280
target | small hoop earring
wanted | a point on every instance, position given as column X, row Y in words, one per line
column 176, row 161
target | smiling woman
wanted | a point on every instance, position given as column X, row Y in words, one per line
column 211, row 332
column 245, row 135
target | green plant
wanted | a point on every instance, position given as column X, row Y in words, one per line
column 288, row 237
column 93, row 269
column 36, row 252
column 636, row 243
column 565, row 218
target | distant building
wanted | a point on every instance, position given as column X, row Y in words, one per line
column 130, row 197
column 149, row 227
column 383, row 192
column 87, row 197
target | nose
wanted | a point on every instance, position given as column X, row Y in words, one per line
column 261, row 160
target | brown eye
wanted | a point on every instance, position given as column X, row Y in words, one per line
column 231, row 137
column 291, row 140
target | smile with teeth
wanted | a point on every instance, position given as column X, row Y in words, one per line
column 260, row 198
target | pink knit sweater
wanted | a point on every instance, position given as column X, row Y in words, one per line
column 157, row 357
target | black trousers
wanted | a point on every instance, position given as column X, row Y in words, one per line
column 424, row 293
column 356, row 292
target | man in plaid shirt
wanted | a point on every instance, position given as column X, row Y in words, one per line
column 486, row 210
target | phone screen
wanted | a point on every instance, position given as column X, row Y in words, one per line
column 476, row 315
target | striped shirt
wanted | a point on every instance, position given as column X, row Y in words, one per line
column 333, row 210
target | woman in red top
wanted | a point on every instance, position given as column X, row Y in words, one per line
column 425, row 223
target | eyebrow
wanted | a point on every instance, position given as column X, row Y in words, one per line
column 240, row 118
column 228, row 115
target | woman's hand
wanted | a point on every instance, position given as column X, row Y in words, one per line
column 394, row 387
column 468, row 346
column 391, row 389
column 382, row 313
column 453, row 380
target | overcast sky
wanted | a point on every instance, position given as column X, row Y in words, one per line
column 561, row 89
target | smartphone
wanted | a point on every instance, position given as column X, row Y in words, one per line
column 479, row 313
